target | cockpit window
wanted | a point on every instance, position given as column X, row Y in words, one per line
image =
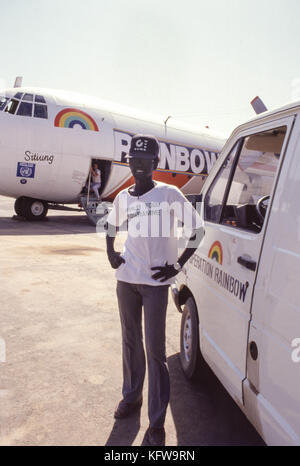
column 28, row 97
column 3, row 102
column 40, row 111
column 22, row 104
column 40, row 99
column 12, row 106
column 25, row 109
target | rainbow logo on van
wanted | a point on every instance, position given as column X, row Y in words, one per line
column 69, row 117
column 216, row 252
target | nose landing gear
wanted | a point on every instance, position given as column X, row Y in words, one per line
column 31, row 209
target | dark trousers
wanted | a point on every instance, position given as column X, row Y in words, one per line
column 154, row 299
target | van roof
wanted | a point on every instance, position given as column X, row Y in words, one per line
column 286, row 109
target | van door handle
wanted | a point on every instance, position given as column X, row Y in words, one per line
column 248, row 263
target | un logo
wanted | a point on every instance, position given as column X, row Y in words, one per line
column 26, row 171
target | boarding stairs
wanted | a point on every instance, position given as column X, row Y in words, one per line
column 95, row 209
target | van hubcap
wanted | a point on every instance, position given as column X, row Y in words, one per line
column 187, row 337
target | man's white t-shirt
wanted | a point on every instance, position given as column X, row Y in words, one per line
column 151, row 221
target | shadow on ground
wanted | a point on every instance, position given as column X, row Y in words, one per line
column 204, row 413
column 53, row 224
column 124, row 431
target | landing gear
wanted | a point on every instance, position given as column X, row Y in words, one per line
column 31, row 209
column 19, row 206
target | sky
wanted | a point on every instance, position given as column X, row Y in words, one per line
column 199, row 61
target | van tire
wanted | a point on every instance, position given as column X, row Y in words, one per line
column 190, row 356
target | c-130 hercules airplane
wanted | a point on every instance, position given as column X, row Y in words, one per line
column 50, row 138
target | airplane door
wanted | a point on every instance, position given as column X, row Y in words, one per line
column 79, row 148
column 235, row 216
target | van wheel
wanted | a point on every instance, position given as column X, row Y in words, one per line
column 190, row 355
column 34, row 209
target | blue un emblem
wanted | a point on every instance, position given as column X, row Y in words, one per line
column 26, row 170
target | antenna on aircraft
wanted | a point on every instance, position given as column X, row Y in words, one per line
column 18, row 81
column 258, row 105
column 166, row 120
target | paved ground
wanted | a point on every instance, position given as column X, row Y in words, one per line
column 62, row 377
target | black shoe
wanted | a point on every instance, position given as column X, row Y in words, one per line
column 125, row 409
column 155, row 436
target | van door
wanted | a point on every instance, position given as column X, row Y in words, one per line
column 235, row 213
column 272, row 386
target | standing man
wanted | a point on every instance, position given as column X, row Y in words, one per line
column 145, row 270
column 96, row 179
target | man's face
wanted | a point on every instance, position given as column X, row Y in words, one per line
column 141, row 168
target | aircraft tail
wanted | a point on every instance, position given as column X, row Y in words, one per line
column 258, row 105
column 18, row 81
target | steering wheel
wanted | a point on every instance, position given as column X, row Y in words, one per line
column 261, row 208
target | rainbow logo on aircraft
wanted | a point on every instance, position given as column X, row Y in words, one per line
column 69, row 117
column 216, row 252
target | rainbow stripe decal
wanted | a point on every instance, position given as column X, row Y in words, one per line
column 70, row 117
column 216, row 252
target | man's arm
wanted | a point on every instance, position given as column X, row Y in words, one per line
column 168, row 271
column 192, row 246
column 114, row 257
column 114, row 219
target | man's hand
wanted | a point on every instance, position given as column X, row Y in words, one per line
column 115, row 259
column 165, row 272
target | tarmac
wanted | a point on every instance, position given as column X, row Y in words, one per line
column 60, row 348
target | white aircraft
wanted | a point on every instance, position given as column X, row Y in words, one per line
column 50, row 138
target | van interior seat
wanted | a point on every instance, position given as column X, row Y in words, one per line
column 243, row 216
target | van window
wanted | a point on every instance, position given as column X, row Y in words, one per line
column 247, row 189
column 253, row 180
column 215, row 196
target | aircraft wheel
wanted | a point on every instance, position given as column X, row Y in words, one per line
column 19, row 209
column 34, row 209
column 190, row 355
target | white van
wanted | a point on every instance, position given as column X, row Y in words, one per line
column 240, row 292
